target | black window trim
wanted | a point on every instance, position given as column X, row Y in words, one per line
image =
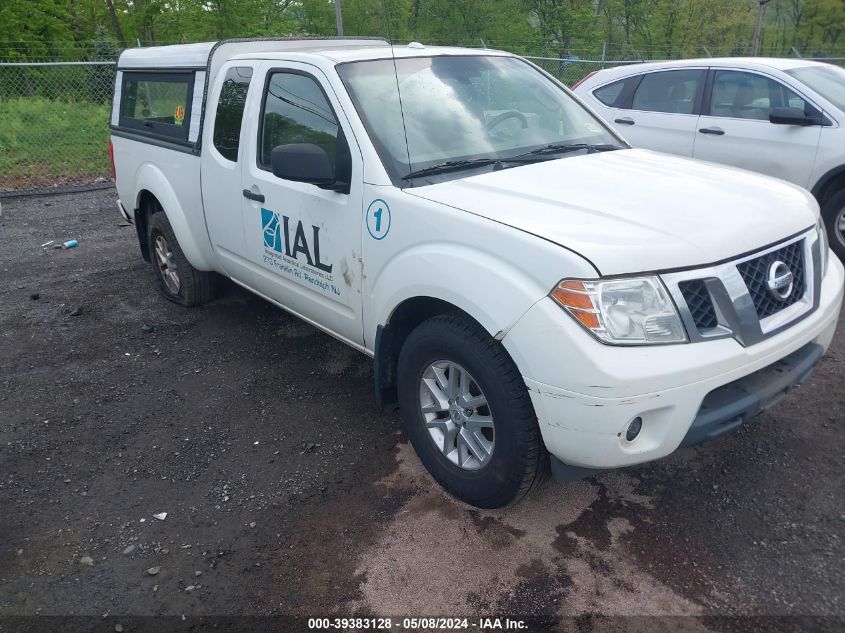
column 160, row 131
column 341, row 136
column 628, row 90
column 241, row 66
column 711, row 78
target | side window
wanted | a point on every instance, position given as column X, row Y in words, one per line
column 610, row 93
column 668, row 91
column 157, row 103
column 230, row 112
column 740, row 95
column 296, row 111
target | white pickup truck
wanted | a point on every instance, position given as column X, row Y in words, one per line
column 536, row 295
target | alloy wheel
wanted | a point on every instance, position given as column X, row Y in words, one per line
column 457, row 415
column 167, row 265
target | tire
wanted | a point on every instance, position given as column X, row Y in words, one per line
column 191, row 287
column 833, row 214
column 518, row 461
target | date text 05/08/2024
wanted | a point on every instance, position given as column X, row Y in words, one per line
column 417, row 624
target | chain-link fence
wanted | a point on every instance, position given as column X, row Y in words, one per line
column 571, row 70
column 54, row 118
column 54, row 128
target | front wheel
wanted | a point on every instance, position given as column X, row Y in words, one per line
column 467, row 413
column 833, row 215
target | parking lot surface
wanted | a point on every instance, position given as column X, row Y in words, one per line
column 286, row 491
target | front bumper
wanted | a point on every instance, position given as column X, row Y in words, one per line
column 726, row 408
column 585, row 394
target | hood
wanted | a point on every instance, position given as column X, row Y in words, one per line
column 635, row 210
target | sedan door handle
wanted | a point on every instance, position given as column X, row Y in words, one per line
column 717, row 131
column 624, row 121
column 258, row 197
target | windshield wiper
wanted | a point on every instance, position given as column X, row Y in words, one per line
column 451, row 165
column 562, row 148
column 535, row 154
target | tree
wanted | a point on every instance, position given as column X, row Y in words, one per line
column 118, row 32
column 562, row 23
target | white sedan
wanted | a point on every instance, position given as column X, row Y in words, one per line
column 780, row 117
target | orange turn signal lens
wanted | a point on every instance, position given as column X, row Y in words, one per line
column 574, row 296
column 587, row 319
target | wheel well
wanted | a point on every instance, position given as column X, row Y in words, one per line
column 147, row 203
column 391, row 336
column 829, row 186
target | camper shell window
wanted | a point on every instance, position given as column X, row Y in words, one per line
column 157, row 103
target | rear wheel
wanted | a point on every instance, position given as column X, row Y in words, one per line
column 176, row 279
column 833, row 214
column 467, row 413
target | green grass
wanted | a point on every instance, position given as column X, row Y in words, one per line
column 44, row 142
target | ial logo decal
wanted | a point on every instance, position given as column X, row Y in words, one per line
column 272, row 230
column 277, row 238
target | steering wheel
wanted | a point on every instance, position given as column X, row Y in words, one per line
column 504, row 116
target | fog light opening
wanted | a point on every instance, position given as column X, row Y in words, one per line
column 634, row 428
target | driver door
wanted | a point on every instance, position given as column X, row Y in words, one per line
column 734, row 128
column 303, row 242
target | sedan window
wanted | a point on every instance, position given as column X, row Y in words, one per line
column 610, row 93
column 668, row 91
column 741, row 95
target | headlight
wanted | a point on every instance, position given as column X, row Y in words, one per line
column 824, row 246
column 634, row 311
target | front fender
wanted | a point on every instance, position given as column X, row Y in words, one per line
column 492, row 290
column 187, row 219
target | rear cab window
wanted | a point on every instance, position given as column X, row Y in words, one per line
column 157, row 103
column 230, row 112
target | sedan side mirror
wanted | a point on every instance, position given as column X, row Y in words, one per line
column 302, row 162
column 791, row 116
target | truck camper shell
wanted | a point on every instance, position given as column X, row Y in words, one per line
column 194, row 67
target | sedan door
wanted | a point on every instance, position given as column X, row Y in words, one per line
column 734, row 128
column 660, row 112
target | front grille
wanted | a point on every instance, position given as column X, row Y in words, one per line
column 755, row 274
column 699, row 303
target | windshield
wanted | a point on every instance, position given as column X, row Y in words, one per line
column 827, row 80
column 464, row 108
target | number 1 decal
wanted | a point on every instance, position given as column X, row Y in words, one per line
column 378, row 219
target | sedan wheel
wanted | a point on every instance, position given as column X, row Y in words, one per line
column 839, row 223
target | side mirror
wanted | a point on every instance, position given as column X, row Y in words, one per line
column 302, row 162
column 791, row 116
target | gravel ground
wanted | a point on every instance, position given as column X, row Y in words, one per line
column 288, row 493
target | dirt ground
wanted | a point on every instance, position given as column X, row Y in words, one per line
column 288, row 493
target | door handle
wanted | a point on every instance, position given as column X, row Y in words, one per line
column 717, row 131
column 625, row 121
column 258, row 197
